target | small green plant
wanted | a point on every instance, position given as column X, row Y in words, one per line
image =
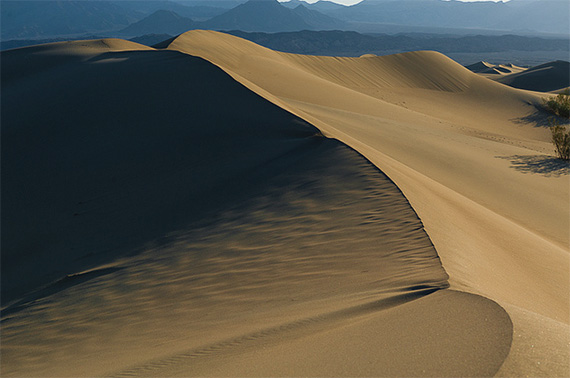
column 560, row 139
column 560, row 104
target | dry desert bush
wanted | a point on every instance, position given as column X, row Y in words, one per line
column 560, row 139
column 559, row 104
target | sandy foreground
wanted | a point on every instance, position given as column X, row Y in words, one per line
column 276, row 215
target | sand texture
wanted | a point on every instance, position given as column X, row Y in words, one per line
column 216, row 208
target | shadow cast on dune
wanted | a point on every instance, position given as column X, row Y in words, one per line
column 174, row 208
column 54, row 288
column 94, row 169
column 539, row 118
column 538, row 164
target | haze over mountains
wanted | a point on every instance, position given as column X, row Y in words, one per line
column 321, row 28
column 549, row 16
column 345, row 43
column 269, row 15
column 160, row 22
column 42, row 19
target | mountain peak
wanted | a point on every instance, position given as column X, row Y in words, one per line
column 259, row 15
column 160, row 22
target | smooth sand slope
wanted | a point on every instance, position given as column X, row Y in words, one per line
column 472, row 156
column 160, row 219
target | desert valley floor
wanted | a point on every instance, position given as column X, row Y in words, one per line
column 211, row 207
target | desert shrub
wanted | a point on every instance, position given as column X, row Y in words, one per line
column 560, row 139
column 560, row 104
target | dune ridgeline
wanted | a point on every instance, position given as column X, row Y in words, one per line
column 216, row 208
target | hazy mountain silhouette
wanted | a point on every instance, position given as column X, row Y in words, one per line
column 272, row 16
column 523, row 15
column 259, row 15
column 321, row 6
column 188, row 10
column 225, row 4
column 51, row 19
column 355, row 44
column 48, row 19
column 160, row 22
column 318, row 20
column 32, row 19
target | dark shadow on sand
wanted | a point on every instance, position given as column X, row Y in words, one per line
column 540, row 118
column 55, row 287
column 539, row 164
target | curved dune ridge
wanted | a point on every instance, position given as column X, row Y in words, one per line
column 548, row 77
column 191, row 227
column 474, row 160
column 494, row 69
column 190, row 221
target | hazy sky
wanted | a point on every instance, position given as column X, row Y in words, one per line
column 351, row 2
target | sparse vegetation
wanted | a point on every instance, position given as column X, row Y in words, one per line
column 560, row 104
column 560, row 139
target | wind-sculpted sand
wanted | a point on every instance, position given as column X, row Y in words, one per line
column 548, row 77
column 459, row 147
column 159, row 218
column 492, row 70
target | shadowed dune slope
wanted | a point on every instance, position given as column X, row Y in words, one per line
column 158, row 218
column 420, row 81
column 18, row 63
column 102, row 166
column 473, row 157
column 402, row 88
column 494, row 69
column 481, row 67
column 548, row 77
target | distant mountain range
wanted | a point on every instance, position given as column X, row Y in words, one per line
column 321, row 6
column 271, row 16
column 41, row 19
column 255, row 15
column 160, row 22
column 346, row 43
column 49, row 19
column 550, row 16
column 340, row 43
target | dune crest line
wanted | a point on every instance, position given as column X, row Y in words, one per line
column 425, row 120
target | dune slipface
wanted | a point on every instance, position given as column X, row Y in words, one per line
column 494, row 70
column 158, row 218
column 552, row 76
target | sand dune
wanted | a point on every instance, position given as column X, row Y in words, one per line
column 162, row 219
column 469, row 154
column 494, row 69
column 402, row 90
column 154, row 221
column 548, row 77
